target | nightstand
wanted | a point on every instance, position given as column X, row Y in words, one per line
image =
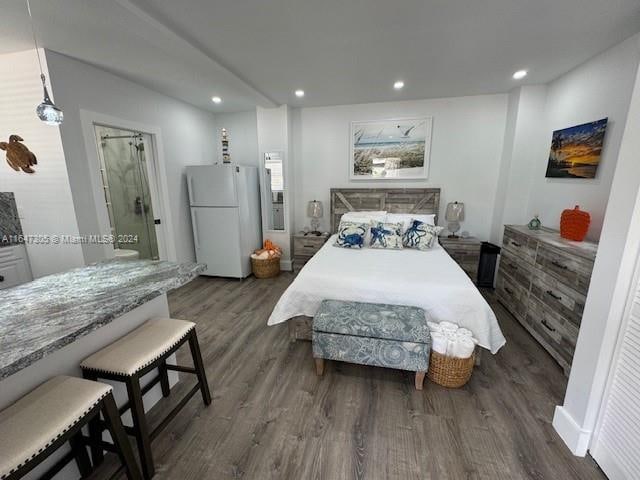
column 466, row 253
column 305, row 247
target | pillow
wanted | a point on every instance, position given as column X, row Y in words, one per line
column 406, row 219
column 367, row 216
column 351, row 234
column 386, row 235
column 420, row 235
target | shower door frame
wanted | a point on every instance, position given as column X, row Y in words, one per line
column 158, row 184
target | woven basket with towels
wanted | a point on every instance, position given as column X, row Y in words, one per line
column 265, row 262
column 452, row 354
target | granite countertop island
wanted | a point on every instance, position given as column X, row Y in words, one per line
column 40, row 317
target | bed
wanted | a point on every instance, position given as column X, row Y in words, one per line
column 429, row 279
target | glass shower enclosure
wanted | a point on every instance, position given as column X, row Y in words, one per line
column 125, row 180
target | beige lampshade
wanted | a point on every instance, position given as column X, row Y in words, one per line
column 314, row 209
column 454, row 212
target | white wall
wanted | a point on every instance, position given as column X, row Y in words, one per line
column 274, row 134
column 465, row 153
column 188, row 133
column 44, row 198
column 610, row 284
column 525, row 146
column 599, row 88
column 242, row 129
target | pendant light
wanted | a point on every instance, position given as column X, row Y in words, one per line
column 47, row 110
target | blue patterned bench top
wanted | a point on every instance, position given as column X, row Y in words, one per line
column 372, row 320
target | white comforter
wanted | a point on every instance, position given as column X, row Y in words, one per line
column 427, row 279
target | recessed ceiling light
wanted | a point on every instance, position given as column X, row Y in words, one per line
column 216, row 99
column 299, row 93
column 398, row 85
column 520, row 74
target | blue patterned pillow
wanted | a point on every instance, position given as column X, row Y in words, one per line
column 351, row 235
column 386, row 235
column 420, row 235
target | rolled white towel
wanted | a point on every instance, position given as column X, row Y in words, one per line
column 434, row 327
column 448, row 327
column 439, row 343
column 464, row 332
column 463, row 347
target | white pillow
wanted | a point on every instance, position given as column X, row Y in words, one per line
column 405, row 219
column 367, row 216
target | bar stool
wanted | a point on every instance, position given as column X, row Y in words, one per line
column 130, row 358
column 42, row 421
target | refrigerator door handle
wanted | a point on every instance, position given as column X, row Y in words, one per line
column 190, row 188
column 194, row 221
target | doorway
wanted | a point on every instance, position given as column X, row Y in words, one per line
column 126, row 167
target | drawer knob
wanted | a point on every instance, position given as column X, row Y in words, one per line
column 547, row 326
column 513, row 265
column 516, row 244
column 309, row 246
column 559, row 265
column 553, row 295
column 508, row 290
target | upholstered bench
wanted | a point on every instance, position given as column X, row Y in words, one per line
column 392, row 336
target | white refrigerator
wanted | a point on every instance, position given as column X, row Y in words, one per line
column 225, row 214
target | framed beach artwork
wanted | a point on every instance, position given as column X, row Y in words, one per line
column 575, row 151
column 396, row 149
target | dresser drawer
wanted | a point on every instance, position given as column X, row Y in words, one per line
column 307, row 246
column 557, row 296
column 571, row 270
column 558, row 334
column 522, row 246
column 512, row 296
column 519, row 270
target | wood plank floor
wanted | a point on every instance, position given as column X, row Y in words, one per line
column 272, row 418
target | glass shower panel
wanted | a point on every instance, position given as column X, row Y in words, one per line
column 126, row 182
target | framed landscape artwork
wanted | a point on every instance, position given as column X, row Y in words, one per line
column 396, row 149
column 575, row 151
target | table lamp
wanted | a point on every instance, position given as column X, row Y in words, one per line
column 454, row 215
column 314, row 210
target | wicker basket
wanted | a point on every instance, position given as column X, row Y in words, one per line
column 265, row 268
column 450, row 372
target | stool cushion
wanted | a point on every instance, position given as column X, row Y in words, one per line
column 139, row 348
column 36, row 420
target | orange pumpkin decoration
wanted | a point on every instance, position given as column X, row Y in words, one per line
column 574, row 224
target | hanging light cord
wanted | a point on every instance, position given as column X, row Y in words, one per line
column 35, row 40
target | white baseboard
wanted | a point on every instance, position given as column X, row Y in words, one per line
column 286, row 265
column 572, row 435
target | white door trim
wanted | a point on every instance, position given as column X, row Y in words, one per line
column 88, row 120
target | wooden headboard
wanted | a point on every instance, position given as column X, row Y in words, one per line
column 393, row 200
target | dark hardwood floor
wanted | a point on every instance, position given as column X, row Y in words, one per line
column 272, row 418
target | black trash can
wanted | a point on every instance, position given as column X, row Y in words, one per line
column 487, row 268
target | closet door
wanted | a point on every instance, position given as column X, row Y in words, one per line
column 617, row 441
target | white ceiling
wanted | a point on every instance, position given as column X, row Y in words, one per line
column 256, row 52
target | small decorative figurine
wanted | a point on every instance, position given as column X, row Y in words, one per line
column 574, row 224
column 19, row 157
column 226, row 158
column 535, row 223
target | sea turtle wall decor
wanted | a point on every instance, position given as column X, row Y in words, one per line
column 19, row 157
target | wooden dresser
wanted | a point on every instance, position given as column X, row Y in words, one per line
column 305, row 247
column 543, row 281
column 466, row 253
